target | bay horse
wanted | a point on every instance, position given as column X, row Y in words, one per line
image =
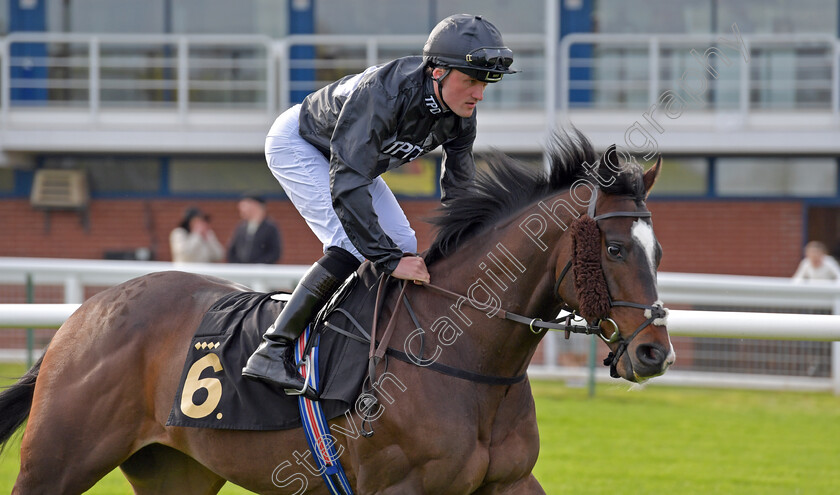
column 100, row 395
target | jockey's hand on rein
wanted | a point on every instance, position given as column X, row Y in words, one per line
column 412, row 268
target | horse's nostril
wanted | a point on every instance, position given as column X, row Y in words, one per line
column 650, row 354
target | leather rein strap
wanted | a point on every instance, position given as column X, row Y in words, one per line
column 657, row 311
column 537, row 325
column 378, row 352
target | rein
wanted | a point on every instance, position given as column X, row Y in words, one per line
column 378, row 352
column 655, row 313
column 537, row 325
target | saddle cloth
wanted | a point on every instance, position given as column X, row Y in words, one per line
column 212, row 392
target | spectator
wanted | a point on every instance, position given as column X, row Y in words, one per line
column 256, row 238
column 817, row 264
column 193, row 240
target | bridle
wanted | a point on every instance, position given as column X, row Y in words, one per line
column 655, row 313
column 379, row 342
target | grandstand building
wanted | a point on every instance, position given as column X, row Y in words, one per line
column 117, row 114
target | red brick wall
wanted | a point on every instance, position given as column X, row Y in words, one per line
column 129, row 224
column 734, row 237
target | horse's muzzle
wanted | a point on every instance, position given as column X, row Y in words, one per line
column 652, row 359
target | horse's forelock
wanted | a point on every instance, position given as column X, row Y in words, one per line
column 627, row 181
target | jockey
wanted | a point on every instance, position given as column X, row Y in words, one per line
column 328, row 154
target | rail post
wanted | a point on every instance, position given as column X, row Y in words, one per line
column 30, row 333
column 593, row 351
column 835, row 355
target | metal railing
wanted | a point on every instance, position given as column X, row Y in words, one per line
column 75, row 276
column 179, row 73
column 766, row 72
column 715, row 333
column 338, row 56
column 182, row 73
column 178, row 92
column 741, row 331
column 591, row 71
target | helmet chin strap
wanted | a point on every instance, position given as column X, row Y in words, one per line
column 439, row 81
column 446, row 71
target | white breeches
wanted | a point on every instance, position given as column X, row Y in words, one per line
column 304, row 174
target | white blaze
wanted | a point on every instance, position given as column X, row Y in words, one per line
column 643, row 234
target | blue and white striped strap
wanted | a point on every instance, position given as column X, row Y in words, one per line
column 315, row 425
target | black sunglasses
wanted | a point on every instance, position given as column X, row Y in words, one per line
column 491, row 58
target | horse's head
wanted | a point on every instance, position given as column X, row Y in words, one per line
column 611, row 278
column 588, row 247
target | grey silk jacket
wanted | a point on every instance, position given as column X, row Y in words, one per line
column 368, row 123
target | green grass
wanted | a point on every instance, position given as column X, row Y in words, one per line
column 687, row 441
column 655, row 440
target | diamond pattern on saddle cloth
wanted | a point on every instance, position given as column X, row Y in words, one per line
column 212, row 392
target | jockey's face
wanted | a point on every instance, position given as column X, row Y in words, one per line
column 459, row 91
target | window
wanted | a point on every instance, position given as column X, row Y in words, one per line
column 372, row 17
column 778, row 16
column 522, row 16
column 4, row 20
column 233, row 175
column 106, row 16
column 7, row 180
column 419, row 17
column 268, row 17
column 113, row 175
column 637, row 16
column 770, row 176
column 620, row 73
column 682, row 177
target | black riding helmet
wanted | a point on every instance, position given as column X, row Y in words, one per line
column 470, row 44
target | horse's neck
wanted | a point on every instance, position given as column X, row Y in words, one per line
column 512, row 257
column 510, row 266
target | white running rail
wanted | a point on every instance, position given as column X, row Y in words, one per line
column 674, row 288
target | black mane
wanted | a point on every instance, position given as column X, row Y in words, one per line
column 510, row 186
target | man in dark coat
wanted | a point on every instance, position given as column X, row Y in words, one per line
column 256, row 238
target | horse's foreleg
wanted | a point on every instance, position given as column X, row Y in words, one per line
column 514, row 446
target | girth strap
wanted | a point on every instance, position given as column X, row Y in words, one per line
column 462, row 374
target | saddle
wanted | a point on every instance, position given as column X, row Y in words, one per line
column 212, row 392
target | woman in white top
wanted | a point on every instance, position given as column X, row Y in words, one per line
column 817, row 264
column 194, row 241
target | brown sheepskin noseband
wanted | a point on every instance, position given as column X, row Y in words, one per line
column 590, row 284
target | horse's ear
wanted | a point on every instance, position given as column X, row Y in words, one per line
column 610, row 161
column 651, row 175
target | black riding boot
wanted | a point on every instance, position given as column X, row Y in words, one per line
column 273, row 361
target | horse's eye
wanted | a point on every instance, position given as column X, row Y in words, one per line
column 614, row 250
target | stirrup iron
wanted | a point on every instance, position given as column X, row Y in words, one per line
column 306, row 378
